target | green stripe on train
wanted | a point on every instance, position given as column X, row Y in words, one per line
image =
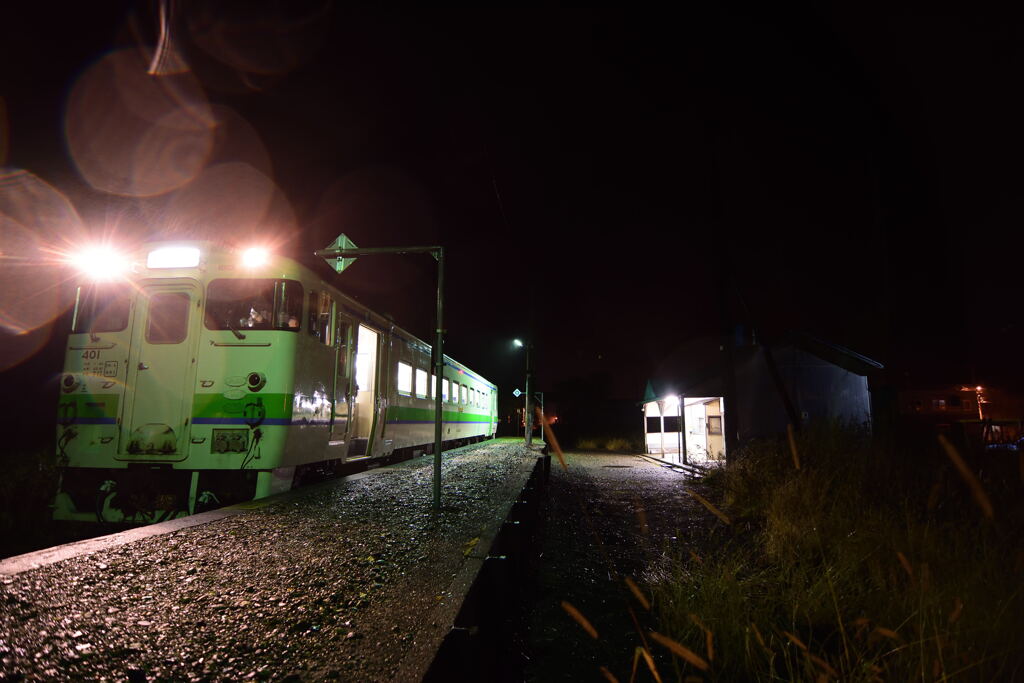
column 277, row 406
column 88, row 406
column 408, row 414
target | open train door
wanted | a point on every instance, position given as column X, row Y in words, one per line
column 363, row 423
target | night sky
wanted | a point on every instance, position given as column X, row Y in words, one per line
column 604, row 181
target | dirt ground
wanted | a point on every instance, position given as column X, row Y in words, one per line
column 606, row 517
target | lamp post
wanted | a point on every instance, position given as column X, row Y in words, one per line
column 528, row 416
column 340, row 255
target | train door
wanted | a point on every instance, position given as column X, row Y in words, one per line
column 161, row 372
column 364, row 417
column 344, row 391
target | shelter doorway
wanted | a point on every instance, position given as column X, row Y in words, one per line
column 686, row 430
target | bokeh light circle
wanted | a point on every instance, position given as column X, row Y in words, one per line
column 35, row 221
column 135, row 134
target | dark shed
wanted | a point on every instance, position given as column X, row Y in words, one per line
column 790, row 381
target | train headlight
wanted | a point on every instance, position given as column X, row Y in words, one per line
column 254, row 257
column 101, row 262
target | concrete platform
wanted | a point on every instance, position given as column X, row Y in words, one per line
column 353, row 579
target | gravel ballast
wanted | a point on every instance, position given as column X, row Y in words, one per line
column 354, row 579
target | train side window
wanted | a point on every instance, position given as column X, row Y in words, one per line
column 404, row 378
column 168, row 318
column 465, row 394
column 444, row 389
column 342, row 330
column 421, row 383
column 101, row 308
column 455, row 393
column 433, row 386
column 320, row 317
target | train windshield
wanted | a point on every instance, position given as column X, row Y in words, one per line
column 254, row 305
column 101, row 308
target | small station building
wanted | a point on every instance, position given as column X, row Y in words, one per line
column 704, row 398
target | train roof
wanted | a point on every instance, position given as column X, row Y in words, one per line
column 206, row 260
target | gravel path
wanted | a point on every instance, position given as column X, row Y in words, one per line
column 352, row 581
column 607, row 517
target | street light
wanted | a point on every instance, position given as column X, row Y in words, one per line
column 528, row 416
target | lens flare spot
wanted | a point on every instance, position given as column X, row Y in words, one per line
column 34, row 284
column 135, row 134
column 101, row 262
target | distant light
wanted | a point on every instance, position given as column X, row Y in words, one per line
column 978, row 388
column 255, row 256
column 517, row 342
column 173, row 257
column 101, row 262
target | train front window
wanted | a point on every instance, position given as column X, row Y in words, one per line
column 168, row 318
column 101, row 308
column 256, row 304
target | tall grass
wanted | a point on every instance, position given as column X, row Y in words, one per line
column 863, row 564
column 612, row 444
column 27, row 488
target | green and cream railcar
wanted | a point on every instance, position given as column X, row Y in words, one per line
column 206, row 376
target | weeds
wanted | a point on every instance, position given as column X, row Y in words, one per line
column 26, row 491
column 851, row 567
column 613, row 444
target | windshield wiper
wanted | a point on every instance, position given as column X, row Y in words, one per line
column 232, row 328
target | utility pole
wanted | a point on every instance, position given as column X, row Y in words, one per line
column 340, row 255
column 528, row 418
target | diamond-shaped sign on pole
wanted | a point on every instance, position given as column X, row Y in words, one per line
column 341, row 242
column 517, row 393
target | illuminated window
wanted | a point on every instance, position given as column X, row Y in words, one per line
column 444, row 389
column 421, row 383
column 698, row 426
column 433, row 386
column 465, row 394
column 938, row 404
column 714, row 424
column 404, row 378
column 455, row 392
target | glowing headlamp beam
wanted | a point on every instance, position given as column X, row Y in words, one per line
column 101, row 262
